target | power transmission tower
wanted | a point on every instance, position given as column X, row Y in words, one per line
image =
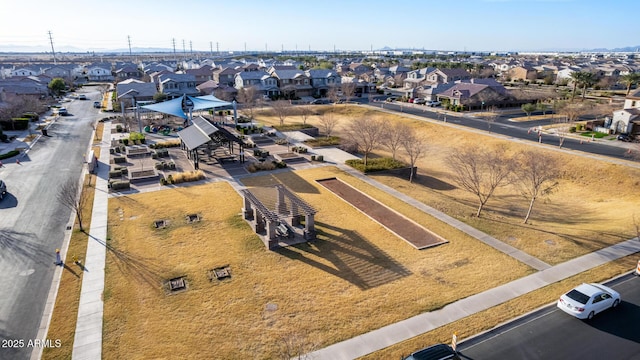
column 52, row 49
column 175, row 56
column 211, row 47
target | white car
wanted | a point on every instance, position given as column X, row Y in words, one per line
column 587, row 300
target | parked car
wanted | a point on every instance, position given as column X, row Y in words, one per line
column 420, row 101
column 82, row 97
column 97, row 105
column 391, row 99
column 435, row 352
column 625, row 138
column 63, row 111
column 433, row 103
column 587, row 300
column 321, row 101
column 3, row 189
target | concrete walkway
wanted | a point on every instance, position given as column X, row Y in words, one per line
column 420, row 324
column 87, row 343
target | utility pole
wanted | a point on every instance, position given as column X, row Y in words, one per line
column 211, row 47
column 191, row 47
column 184, row 49
column 52, row 50
column 129, row 41
column 218, row 48
column 175, row 56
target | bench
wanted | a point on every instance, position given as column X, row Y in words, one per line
column 283, row 230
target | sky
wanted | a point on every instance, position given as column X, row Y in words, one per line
column 203, row 25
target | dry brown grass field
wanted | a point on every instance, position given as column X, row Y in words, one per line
column 593, row 207
column 357, row 276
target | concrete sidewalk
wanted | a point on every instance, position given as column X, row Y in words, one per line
column 87, row 343
column 420, row 324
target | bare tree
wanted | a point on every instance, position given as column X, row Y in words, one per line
column 349, row 89
column 332, row 94
column 73, row 197
column 328, row 122
column 491, row 116
column 536, row 175
column 294, row 346
column 247, row 96
column 480, row 171
column 394, row 135
column 366, row 134
column 415, row 146
column 304, row 111
column 562, row 127
column 282, row 109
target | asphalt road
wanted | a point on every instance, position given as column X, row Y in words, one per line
column 502, row 126
column 552, row 334
column 33, row 224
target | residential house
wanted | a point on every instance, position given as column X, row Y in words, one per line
column 132, row 91
column 265, row 83
column 225, row 76
column 417, row 78
column 64, row 71
column 522, row 73
column 201, row 74
column 627, row 120
column 293, row 84
column 26, row 71
column 174, row 85
column 23, row 86
column 474, row 95
column 251, row 67
column 322, row 80
column 99, row 72
column 127, row 71
column 440, row 76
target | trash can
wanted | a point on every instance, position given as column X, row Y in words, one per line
column 44, row 132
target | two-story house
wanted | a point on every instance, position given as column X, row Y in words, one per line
column 201, row 74
column 416, row 78
column 126, row 71
column 322, row 80
column 175, row 85
column 99, row 72
column 440, row 76
column 627, row 120
column 262, row 81
column 225, row 76
column 293, row 84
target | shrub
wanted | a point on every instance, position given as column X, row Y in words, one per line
column 115, row 174
column 119, row 128
column 9, row 154
column 165, row 144
column 122, row 169
column 120, row 185
column 170, row 179
column 377, row 164
column 136, row 136
column 261, row 166
column 187, row 176
column 119, row 159
column 162, row 152
column 159, row 165
column 163, row 181
column 323, row 141
column 572, row 129
column 125, row 142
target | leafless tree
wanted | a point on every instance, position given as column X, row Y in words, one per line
column 366, row 134
column 480, row 171
column 294, row 346
column 304, row 111
column 332, row 94
column 73, row 197
column 394, row 135
column 328, row 122
column 282, row 109
column 537, row 175
column 349, row 89
column 248, row 98
column 562, row 127
column 415, row 147
column 491, row 116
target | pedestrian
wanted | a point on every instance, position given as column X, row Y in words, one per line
column 58, row 259
column 1, row 164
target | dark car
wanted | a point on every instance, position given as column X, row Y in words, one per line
column 97, row 105
column 3, row 189
column 625, row 138
column 435, row 352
